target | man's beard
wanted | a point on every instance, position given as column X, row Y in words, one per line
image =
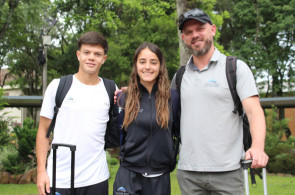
column 201, row 52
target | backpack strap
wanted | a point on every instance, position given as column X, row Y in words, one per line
column 112, row 134
column 64, row 85
column 175, row 104
column 178, row 78
column 111, row 88
column 231, row 69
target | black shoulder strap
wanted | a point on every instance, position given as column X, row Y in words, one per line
column 111, row 88
column 62, row 90
column 112, row 137
column 231, row 69
column 178, row 79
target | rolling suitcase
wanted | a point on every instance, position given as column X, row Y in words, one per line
column 73, row 150
column 245, row 165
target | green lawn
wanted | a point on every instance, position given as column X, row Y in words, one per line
column 276, row 185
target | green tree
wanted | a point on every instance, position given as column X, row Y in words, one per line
column 24, row 39
column 5, row 137
column 20, row 44
column 7, row 10
column 125, row 24
column 261, row 32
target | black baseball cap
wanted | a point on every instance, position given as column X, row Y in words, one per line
column 196, row 14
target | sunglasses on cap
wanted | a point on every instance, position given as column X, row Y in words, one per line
column 196, row 14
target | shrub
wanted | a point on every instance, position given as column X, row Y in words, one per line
column 281, row 153
column 22, row 155
column 5, row 137
column 10, row 160
column 111, row 160
column 26, row 139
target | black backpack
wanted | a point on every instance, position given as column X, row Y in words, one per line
column 230, row 70
column 111, row 135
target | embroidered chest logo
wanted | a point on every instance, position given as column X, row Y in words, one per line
column 212, row 83
column 70, row 99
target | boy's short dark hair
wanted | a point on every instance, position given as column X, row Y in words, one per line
column 93, row 38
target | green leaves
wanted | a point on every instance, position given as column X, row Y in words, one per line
column 261, row 34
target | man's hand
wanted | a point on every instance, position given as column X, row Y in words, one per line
column 259, row 157
column 257, row 123
column 43, row 182
column 117, row 91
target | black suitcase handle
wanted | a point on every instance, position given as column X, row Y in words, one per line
column 73, row 149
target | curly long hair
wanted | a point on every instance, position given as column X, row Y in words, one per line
column 132, row 104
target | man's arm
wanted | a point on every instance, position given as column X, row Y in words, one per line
column 256, row 119
column 42, row 146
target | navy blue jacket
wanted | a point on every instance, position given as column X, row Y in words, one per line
column 146, row 147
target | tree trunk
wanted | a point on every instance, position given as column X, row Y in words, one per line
column 181, row 6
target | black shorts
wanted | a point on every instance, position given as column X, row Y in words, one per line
column 137, row 184
column 99, row 189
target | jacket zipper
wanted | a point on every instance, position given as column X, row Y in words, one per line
column 151, row 133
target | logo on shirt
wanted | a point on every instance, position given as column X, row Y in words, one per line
column 212, row 83
column 70, row 99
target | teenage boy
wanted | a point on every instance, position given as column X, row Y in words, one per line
column 81, row 121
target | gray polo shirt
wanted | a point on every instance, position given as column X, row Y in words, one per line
column 211, row 133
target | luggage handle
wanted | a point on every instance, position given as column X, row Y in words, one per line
column 73, row 150
column 245, row 165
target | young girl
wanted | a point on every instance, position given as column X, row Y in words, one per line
column 147, row 151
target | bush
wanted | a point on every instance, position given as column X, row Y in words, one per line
column 21, row 155
column 281, row 153
column 26, row 139
column 5, row 137
column 11, row 163
column 111, row 160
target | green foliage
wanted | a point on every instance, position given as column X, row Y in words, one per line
column 5, row 137
column 262, row 34
column 111, row 160
column 275, row 126
column 281, row 153
column 11, row 162
column 20, row 44
column 26, row 139
column 125, row 24
column 2, row 99
column 259, row 32
column 21, row 155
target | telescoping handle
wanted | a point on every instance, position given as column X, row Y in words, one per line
column 245, row 165
column 73, row 149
